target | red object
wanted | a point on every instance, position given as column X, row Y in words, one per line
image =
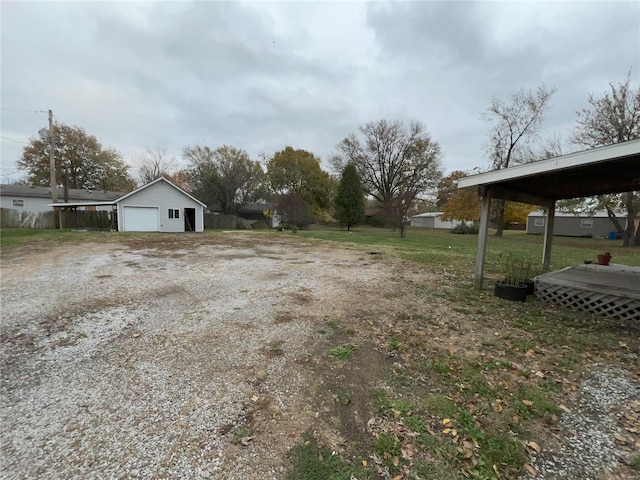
column 604, row 259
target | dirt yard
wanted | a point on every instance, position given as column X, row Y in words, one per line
column 155, row 361
column 183, row 358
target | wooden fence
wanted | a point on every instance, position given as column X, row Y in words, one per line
column 10, row 218
column 229, row 222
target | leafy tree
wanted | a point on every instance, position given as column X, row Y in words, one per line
column 462, row 204
column 152, row 164
column 349, row 201
column 515, row 124
column 225, row 177
column 81, row 162
column 613, row 117
column 447, row 188
column 298, row 171
column 396, row 164
column 516, row 212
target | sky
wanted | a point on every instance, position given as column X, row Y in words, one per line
column 265, row 75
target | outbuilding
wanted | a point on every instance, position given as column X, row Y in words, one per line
column 160, row 206
column 433, row 220
column 591, row 225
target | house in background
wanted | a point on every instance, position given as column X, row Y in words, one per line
column 38, row 199
column 593, row 225
column 433, row 220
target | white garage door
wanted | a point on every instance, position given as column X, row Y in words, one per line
column 141, row 219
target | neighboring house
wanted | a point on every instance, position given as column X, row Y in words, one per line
column 433, row 220
column 38, row 199
column 594, row 225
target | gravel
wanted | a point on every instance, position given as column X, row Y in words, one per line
column 586, row 447
column 139, row 363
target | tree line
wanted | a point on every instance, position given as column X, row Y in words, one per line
column 387, row 164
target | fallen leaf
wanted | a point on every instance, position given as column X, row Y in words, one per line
column 446, row 431
column 527, row 402
column 396, row 461
column 467, row 444
column 530, row 469
column 446, row 421
column 564, row 408
column 535, row 446
column 364, row 463
column 135, row 335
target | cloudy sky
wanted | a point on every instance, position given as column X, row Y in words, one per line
column 264, row 75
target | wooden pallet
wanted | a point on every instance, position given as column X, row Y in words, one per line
column 613, row 292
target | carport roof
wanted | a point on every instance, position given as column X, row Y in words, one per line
column 610, row 169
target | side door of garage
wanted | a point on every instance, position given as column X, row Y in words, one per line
column 141, row 219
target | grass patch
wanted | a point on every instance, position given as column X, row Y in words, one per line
column 343, row 352
column 313, row 462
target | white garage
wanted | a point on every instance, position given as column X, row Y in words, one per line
column 159, row 206
column 141, row 219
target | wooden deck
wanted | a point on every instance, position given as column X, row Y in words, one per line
column 612, row 290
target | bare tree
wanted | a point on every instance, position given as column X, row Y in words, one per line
column 395, row 163
column 152, row 164
column 613, row 117
column 515, row 125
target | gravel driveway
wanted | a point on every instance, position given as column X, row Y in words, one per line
column 134, row 361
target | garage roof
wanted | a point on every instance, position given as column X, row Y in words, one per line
column 610, row 169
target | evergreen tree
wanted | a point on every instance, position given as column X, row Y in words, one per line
column 349, row 200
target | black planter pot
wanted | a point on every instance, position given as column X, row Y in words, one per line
column 511, row 292
column 531, row 287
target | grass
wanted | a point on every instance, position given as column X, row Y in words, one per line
column 343, row 352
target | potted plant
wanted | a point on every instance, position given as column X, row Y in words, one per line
column 516, row 274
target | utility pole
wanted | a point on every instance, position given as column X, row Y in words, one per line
column 52, row 160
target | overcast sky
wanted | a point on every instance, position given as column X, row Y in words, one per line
column 264, row 75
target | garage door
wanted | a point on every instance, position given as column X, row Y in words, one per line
column 141, row 219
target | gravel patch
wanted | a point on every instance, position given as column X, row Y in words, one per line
column 586, row 447
column 144, row 363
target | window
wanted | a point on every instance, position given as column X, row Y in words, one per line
column 174, row 213
column 539, row 222
column 18, row 203
column 586, row 223
column 171, row 213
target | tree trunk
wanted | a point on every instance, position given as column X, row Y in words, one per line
column 500, row 205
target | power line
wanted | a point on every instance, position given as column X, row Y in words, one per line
column 13, row 140
column 23, row 110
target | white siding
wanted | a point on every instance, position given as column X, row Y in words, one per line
column 30, row 204
column 165, row 197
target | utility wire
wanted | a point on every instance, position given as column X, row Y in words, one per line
column 23, row 110
column 13, row 140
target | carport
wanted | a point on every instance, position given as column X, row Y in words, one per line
column 604, row 170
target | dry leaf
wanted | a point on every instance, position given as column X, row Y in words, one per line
column 535, row 446
column 135, row 335
column 564, row 408
column 446, row 431
column 364, row 463
column 396, row 461
column 446, row 421
column 468, row 444
column 529, row 402
column 530, row 469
